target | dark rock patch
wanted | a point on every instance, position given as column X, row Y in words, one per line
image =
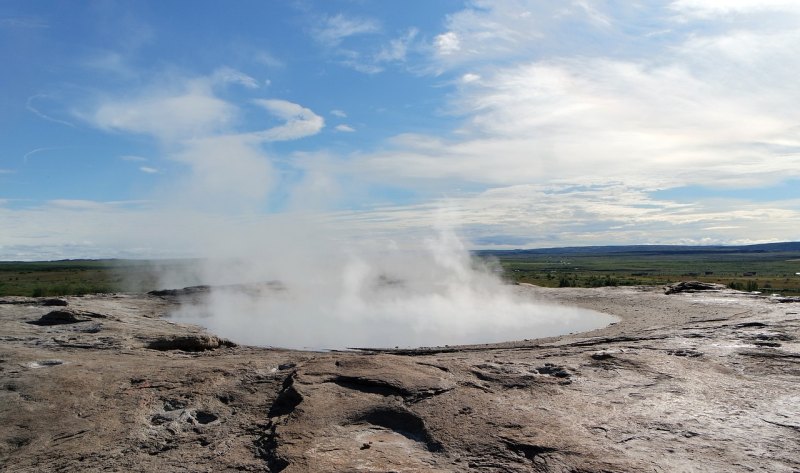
column 186, row 291
column 159, row 419
column 529, row 451
column 401, row 421
column 692, row 286
column 191, row 343
column 750, row 324
column 601, row 355
column 205, row 417
column 53, row 302
column 266, row 448
column 773, row 336
column 687, row 352
column 59, row 317
column 387, row 388
column 174, row 405
column 288, row 398
column 550, row 369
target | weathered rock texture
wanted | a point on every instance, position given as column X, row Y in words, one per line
column 703, row 381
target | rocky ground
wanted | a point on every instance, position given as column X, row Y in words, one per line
column 691, row 381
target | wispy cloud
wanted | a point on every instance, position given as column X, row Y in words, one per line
column 23, row 22
column 134, row 159
column 334, row 29
column 366, row 57
column 492, row 31
column 338, row 113
column 345, row 128
column 37, row 151
column 268, row 59
column 148, row 170
column 29, row 105
column 397, row 49
column 111, row 62
column 300, row 121
column 227, row 75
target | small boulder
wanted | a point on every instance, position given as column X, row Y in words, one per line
column 59, row 317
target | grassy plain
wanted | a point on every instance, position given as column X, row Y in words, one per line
column 767, row 268
column 76, row 277
column 768, row 271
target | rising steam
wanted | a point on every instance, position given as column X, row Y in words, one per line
column 285, row 278
column 433, row 296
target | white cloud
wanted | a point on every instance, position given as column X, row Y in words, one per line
column 556, row 215
column 593, row 119
column 300, row 121
column 345, row 128
column 567, row 137
column 469, row 78
column 712, row 8
column 448, row 43
column 712, row 109
column 133, row 159
column 524, row 215
column 229, row 174
column 191, row 110
column 228, row 171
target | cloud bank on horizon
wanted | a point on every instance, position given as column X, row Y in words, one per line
column 526, row 123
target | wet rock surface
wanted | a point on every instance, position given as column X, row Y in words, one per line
column 692, row 381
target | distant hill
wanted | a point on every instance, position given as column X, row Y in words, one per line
column 644, row 250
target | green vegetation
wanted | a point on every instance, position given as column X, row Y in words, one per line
column 77, row 277
column 766, row 268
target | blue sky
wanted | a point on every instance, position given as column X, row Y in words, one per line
column 128, row 128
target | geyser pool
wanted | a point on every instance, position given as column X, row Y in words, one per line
column 389, row 316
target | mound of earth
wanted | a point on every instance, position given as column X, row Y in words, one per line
column 693, row 381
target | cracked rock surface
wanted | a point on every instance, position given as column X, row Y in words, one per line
column 690, row 381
